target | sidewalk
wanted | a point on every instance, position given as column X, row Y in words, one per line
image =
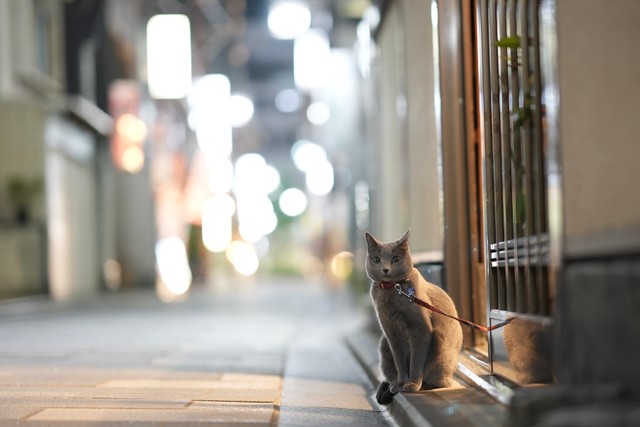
column 265, row 353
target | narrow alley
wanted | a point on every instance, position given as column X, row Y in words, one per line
column 185, row 188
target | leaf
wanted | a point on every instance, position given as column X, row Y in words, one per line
column 521, row 115
column 509, row 42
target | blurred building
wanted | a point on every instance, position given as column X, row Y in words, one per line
column 105, row 128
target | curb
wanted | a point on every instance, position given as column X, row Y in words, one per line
column 479, row 400
column 364, row 347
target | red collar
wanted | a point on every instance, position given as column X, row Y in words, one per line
column 392, row 285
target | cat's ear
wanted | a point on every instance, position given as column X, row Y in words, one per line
column 403, row 240
column 371, row 241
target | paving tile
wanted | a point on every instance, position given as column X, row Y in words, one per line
column 227, row 381
column 180, row 394
column 327, row 398
column 236, row 412
column 211, row 415
column 16, row 411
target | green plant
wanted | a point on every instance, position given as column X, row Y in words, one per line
column 22, row 191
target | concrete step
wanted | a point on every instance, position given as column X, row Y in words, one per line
column 461, row 405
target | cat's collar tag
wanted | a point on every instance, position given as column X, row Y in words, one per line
column 409, row 293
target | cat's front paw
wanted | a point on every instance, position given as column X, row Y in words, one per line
column 384, row 395
column 411, row 386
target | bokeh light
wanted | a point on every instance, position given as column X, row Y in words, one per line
column 318, row 113
column 254, row 180
column 132, row 159
column 288, row 101
column 217, row 226
column 306, row 154
column 320, row 178
column 210, row 114
column 220, row 175
column 244, row 258
column 311, row 59
column 241, row 110
column 288, row 19
column 168, row 56
column 292, row 202
column 172, row 263
column 342, row 265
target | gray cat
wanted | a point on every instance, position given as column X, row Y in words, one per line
column 418, row 349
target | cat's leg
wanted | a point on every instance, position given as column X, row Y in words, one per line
column 441, row 364
column 419, row 343
column 400, row 357
column 384, row 395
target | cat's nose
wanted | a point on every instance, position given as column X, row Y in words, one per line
column 386, row 270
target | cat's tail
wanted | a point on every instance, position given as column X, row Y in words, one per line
column 384, row 395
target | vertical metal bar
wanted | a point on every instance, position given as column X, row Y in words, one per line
column 505, row 146
column 528, row 93
column 496, row 149
column 514, row 77
column 489, row 190
column 539, row 163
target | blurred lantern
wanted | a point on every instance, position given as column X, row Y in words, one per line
column 129, row 133
column 169, row 56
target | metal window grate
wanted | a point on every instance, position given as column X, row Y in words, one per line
column 514, row 156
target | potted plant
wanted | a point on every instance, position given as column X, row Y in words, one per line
column 22, row 191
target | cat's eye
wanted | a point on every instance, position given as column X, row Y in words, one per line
column 375, row 259
column 395, row 259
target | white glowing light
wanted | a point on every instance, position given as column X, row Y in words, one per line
column 306, row 154
column 217, row 226
column 254, row 180
column 168, row 56
column 244, row 258
column 270, row 179
column 221, row 175
column 318, row 113
column 288, row 101
column 256, row 218
column 311, row 59
column 253, row 176
column 173, row 265
column 241, row 110
column 292, row 202
column 210, row 114
column 320, row 178
column 288, row 19
column 247, row 175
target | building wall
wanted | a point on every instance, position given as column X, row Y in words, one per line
column 425, row 208
column 22, row 246
column 407, row 186
column 71, row 209
column 599, row 80
column 21, row 148
column 389, row 169
column 599, row 129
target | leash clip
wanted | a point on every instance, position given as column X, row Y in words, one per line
column 408, row 295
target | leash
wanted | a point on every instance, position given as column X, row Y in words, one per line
column 410, row 295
